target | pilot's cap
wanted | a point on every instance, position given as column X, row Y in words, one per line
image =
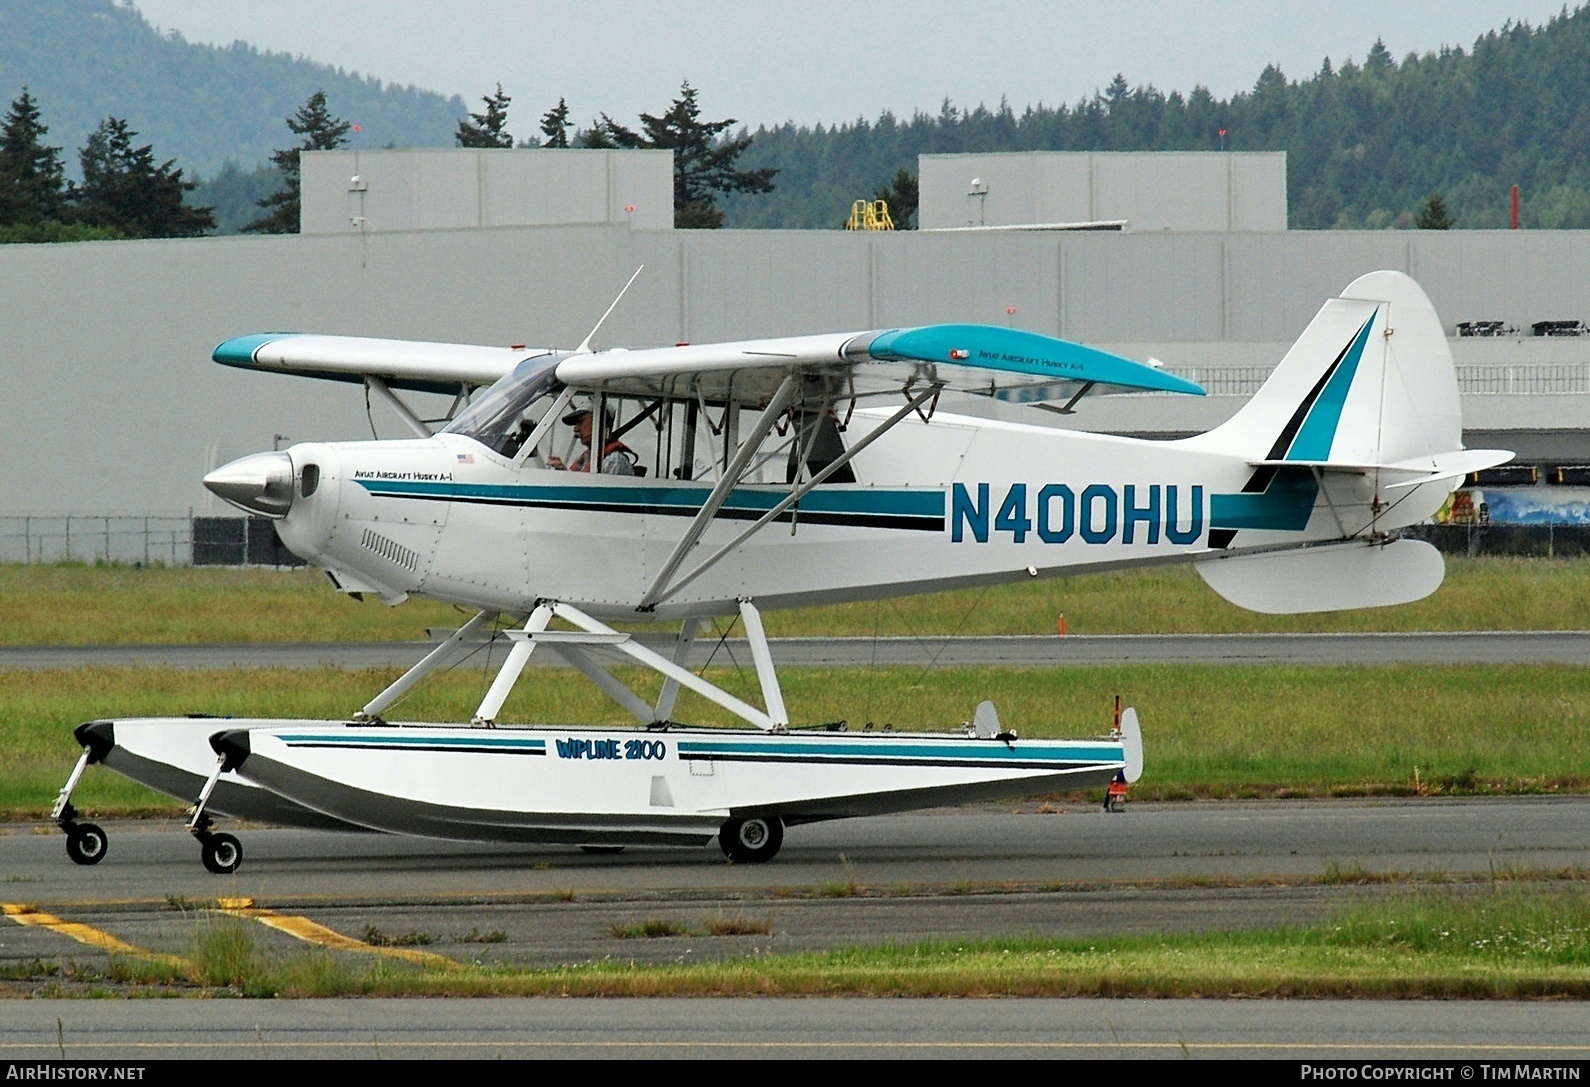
column 575, row 416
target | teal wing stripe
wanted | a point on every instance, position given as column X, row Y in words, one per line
column 1014, row 351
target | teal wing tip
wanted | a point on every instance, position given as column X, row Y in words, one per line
column 1174, row 384
column 1020, row 351
column 239, row 350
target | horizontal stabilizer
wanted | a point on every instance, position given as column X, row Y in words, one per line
column 1334, row 577
column 1431, row 466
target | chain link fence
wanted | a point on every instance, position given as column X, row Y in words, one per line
column 1523, row 379
column 141, row 540
column 150, row 539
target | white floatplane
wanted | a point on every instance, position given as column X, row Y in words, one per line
column 584, row 488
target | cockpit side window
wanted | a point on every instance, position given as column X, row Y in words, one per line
column 507, row 412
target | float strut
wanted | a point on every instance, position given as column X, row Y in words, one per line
column 518, row 657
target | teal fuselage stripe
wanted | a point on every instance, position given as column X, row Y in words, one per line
column 1285, row 505
column 914, row 503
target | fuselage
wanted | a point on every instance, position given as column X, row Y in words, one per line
column 958, row 501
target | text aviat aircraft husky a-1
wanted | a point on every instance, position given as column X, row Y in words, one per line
column 765, row 474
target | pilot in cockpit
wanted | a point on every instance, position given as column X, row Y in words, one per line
column 617, row 459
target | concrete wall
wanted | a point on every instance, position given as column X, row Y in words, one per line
column 1181, row 190
column 446, row 188
column 111, row 403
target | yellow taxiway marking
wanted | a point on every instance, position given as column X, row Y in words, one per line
column 314, row 933
column 24, row 914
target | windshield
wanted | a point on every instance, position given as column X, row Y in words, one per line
column 508, row 411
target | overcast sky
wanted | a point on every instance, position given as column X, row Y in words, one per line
column 767, row 62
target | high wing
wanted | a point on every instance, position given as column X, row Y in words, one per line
column 1006, row 363
column 399, row 364
column 982, row 359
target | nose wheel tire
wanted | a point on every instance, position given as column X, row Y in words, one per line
column 751, row 841
column 221, row 853
column 86, row 843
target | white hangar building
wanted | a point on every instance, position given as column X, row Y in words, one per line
column 112, row 403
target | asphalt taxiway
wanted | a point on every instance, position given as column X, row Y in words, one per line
column 1028, row 651
column 1066, row 870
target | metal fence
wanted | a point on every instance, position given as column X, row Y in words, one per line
column 1523, row 379
column 139, row 539
column 149, row 539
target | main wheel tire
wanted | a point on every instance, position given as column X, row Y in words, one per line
column 602, row 850
column 86, row 843
column 221, row 853
column 751, row 841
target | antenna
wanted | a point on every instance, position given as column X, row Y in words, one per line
column 585, row 344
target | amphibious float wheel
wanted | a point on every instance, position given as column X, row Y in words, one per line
column 86, row 843
column 221, row 853
column 751, row 841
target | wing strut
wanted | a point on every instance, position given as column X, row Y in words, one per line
column 390, row 398
column 782, row 399
column 653, row 597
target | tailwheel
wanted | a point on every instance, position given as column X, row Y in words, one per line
column 751, row 841
column 221, row 853
column 85, row 843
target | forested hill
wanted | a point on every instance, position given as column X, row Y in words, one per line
column 84, row 60
column 1366, row 143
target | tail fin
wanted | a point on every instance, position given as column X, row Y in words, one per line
column 1369, row 382
column 1358, row 432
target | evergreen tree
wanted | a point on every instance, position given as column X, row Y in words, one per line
column 704, row 161
column 320, row 132
column 901, row 195
column 124, row 190
column 555, row 125
column 488, row 129
column 32, row 181
column 1434, row 216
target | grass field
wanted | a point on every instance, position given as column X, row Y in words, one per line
column 1504, row 942
column 79, row 605
column 1209, row 731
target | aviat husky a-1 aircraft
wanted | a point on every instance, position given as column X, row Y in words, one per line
column 721, row 479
